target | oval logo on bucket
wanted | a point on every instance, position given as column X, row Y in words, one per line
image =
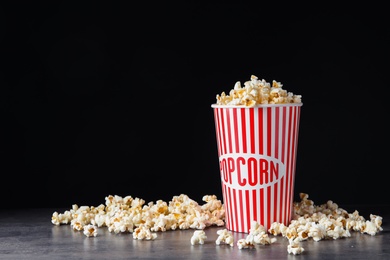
column 250, row 171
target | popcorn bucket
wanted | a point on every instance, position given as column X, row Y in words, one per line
column 257, row 149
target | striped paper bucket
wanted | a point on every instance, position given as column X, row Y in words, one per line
column 257, row 149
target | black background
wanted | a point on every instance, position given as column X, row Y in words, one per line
column 110, row 99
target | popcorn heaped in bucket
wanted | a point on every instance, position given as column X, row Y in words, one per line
column 257, row 92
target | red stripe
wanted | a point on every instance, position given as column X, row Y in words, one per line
column 276, row 155
column 287, row 176
column 235, row 202
column 254, row 205
column 298, row 113
column 241, row 203
column 283, row 159
column 249, row 215
column 277, row 132
column 296, row 134
column 231, row 209
column 223, row 133
column 275, row 202
column 261, row 132
column 287, row 197
column 218, row 130
column 293, row 159
column 288, row 170
column 261, row 205
column 281, row 206
column 268, row 206
column 226, row 205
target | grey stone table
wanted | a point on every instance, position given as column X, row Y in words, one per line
column 29, row 234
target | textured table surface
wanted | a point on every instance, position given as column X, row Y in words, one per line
column 29, row 234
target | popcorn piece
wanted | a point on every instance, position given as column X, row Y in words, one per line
column 264, row 239
column 142, row 232
column 257, row 92
column 369, row 228
column 99, row 220
column 214, row 209
column 294, row 247
column 258, row 235
column 90, row 230
column 245, row 243
column 374, row 225
column 256, row 228
column 164, row 223
column 225, row 236
column 317, row 231
column 337, row 232
column 277, row 229
column 61, row 218
column 198, row 237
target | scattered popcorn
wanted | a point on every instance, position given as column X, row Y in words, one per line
column 326, row 221
column 294, row 247
column 132, row 215
column 257, row 92
column 90, row 230
column 198, row 237
column 225, row 236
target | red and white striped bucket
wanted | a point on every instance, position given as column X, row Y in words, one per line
column 257, row 149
